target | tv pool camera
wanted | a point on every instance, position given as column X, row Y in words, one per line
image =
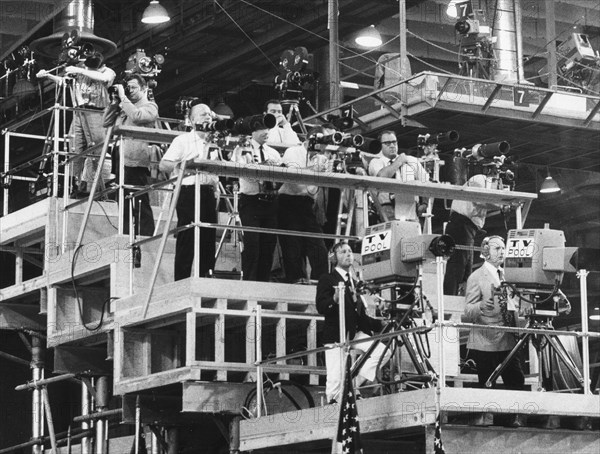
column 392, row 255
column 534, row 266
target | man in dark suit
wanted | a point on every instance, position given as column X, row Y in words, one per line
column 358, row 324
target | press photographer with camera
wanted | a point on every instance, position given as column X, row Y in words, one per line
column 296, row 212
column 188, row 147
column 282, row 132
column 358, row 324
column 258, row 205
column 91, row 79
column 466, row 219
column 390, row 164
column 130, row 107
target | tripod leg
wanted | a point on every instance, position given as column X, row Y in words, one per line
column 490, row 381
column 559, row 348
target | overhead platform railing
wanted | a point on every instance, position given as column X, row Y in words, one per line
column 410, row 98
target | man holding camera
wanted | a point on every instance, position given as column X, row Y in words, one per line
column 188, row 147
column 296, row 212
column 466, row 219
column 130, row 107
column 91, row 80
column 258, row 206
column 405, row 168
column 282, row 132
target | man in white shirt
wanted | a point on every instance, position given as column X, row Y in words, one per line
column 405, row 168
column 193, row 146
column 282, row 132
column 257, row 207
column 296, row 212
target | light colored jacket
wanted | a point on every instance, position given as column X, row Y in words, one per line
column 479, row 289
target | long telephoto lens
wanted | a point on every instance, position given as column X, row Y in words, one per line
column 217, row 125
column 247, row 125
column 491, row 150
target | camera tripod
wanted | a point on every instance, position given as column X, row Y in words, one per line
column 294, row 111
column 552, row 342
column 424, row 374
column 473, row 62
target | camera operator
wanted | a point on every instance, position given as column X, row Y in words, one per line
column 282, row 132
column 258, row 207
column 483, row 306
column 91, row 80
column 296, row 212
column 389, row 164
column 358, row 324
column 187, row 147
column 131, row 107
column 466, row 219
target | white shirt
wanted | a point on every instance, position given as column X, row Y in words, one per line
column 297, row 158
column 476, row 212
column 412, row 170
column 251, row 186
column 190, row 146
column 283, row 134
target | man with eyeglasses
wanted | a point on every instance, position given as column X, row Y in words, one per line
column 390, row 164
column 131, row 107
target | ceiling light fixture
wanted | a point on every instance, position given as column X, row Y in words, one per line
column 596, row 314
column 369, row 37
column 549, row 185
column 155, row 13
column 452, row 10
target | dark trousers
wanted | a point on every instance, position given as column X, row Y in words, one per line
column 296, row 213
column 184, row 247
column 143, row 219
column 460, row 263
column 257, row 255
column 512, row 375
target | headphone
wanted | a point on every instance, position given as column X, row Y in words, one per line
column 332, row 255
column 485, row 245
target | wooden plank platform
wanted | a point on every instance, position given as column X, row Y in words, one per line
column 403, row 411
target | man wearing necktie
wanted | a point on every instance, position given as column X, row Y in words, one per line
column 405, row 168
column 358, row 324
column 257, row 207
column 489, row 347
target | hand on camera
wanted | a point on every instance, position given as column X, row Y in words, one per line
column 72, row 70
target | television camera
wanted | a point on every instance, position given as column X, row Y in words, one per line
column 293, row 74
column 73, row 50
column 534, row 267
column 147, row 66
column 476, row 53
column 428, row 146
column 577, row 63
column 393, row 252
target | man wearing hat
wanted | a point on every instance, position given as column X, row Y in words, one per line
column 257, row 207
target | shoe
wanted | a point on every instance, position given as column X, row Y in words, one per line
column 332, row 401
column 516, row 421
column 482, row 420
